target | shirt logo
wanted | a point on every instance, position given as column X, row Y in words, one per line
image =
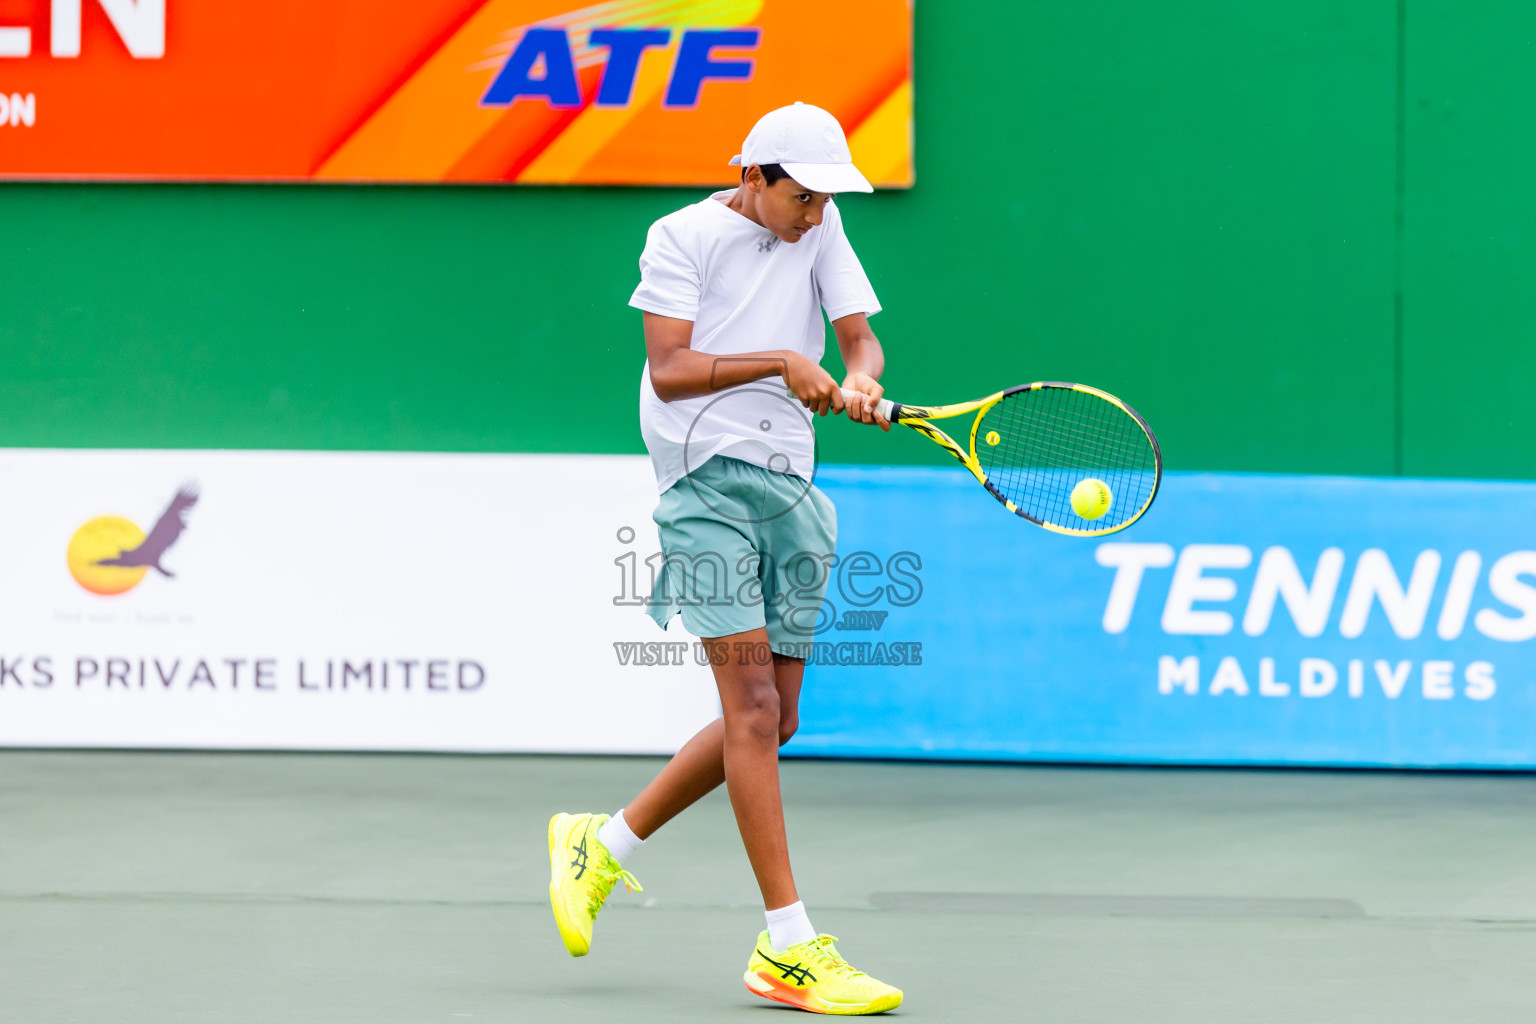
column 767, row 244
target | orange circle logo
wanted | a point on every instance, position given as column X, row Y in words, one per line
column 101, row 540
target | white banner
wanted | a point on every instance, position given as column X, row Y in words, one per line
column 331, row 601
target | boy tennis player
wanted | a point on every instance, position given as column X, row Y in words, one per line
column 732, row 290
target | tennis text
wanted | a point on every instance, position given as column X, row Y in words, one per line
column 1496, row 597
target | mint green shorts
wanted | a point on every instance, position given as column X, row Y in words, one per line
column 744, row 548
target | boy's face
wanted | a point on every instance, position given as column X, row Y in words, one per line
column 787, row 208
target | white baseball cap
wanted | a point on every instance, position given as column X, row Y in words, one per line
column 809, row 144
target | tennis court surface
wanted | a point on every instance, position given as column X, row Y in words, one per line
column 171, row 887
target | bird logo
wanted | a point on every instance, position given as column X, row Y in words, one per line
column 110, row 555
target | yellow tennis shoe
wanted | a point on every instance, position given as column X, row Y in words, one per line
column 581, row 874
column 813, row 977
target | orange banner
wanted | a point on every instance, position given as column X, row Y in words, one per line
column 639, row 92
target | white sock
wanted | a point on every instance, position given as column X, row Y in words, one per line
column 789, row 926
column 616, row 834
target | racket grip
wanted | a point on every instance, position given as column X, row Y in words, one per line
column 884, row 406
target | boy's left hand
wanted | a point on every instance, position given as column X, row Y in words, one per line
column 862, row 408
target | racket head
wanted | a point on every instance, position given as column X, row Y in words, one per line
column 1036, row 442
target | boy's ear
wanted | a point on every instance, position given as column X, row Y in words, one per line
column 754, row 179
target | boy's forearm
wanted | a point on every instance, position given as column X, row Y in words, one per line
column 860, row 348
column 687, row 374
column 864, row 356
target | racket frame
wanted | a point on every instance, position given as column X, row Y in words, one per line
column 918, row 416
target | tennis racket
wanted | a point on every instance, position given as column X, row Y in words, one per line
column 1033, row 445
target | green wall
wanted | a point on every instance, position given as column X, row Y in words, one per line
column 1470, row 240
column 1209, row 207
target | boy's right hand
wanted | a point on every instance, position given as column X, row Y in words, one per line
column 815, row 387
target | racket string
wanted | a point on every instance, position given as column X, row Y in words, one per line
column 1050, row 439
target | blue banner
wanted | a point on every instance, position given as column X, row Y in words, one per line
column 1245, row 620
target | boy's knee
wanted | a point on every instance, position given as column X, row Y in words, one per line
column 759, row 712
column 789, row 721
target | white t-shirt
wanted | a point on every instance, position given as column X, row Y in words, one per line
column 745, row 290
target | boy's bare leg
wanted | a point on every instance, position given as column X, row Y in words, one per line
column 761, row 705
column 751, row 748
column 694, row 770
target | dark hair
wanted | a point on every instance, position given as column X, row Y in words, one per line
column 772, row 173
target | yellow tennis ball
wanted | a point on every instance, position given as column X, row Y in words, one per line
column 993, row 437
column 1091, row 498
